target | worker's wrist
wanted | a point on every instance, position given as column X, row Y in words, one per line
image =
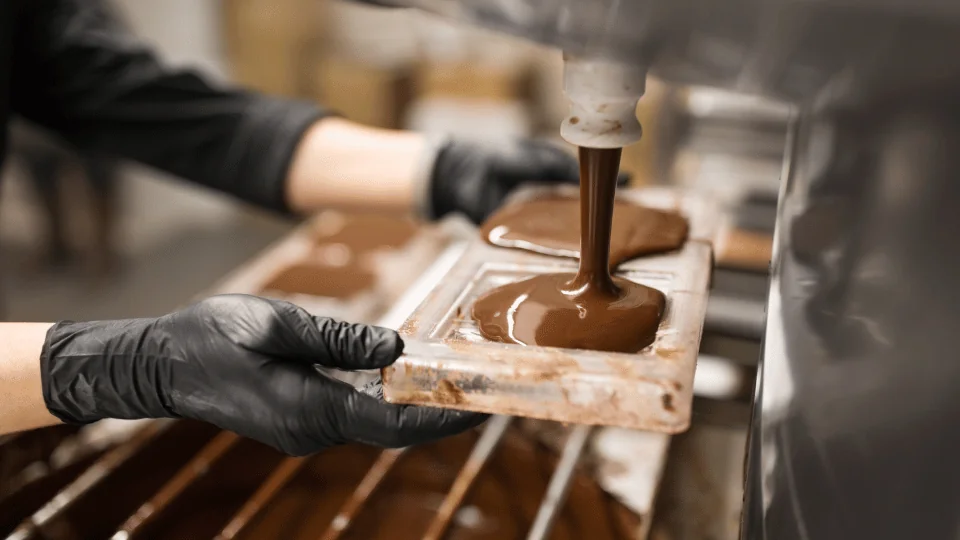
column 343, row 164
column 20, row 377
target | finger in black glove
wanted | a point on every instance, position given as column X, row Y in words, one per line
column 242, row 363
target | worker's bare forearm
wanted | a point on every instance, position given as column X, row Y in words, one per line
column 343, row 164
column 21, row 395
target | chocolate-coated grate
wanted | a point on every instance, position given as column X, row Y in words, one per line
column 187, row 480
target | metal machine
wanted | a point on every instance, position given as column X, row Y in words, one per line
column 854, row 432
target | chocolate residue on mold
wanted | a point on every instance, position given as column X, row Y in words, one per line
column 409, row 327
column 589, row 310
column 549, row 375
column 448, row 393
column 319, row 280
column 669, row 353
column 667, row 400
column 549, row 226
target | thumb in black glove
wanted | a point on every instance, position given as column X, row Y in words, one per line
column 242, row 363
column 475, row 178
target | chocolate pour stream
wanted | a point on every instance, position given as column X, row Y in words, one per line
column 588, row 310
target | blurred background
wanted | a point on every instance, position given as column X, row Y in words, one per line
column 133, row 242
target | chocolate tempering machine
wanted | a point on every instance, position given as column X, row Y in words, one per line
column 853, row 433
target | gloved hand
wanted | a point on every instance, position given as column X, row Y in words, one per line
column 243, row 363
column 475, row 179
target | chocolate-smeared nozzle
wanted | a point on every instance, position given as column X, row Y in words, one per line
column 603, row 97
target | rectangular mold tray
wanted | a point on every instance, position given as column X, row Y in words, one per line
column 447, row 363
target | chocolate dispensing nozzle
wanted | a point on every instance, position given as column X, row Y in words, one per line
column 603, row 98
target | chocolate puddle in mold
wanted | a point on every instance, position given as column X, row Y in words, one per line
column 543, row 226
column 589, row 309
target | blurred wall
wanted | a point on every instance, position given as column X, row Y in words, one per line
column 186, row 33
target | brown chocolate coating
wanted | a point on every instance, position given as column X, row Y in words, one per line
column 19, row 450
column 364, row 232
column 30, row 496
column 211, row 497
column 320, row 280
column 340, row 266
column 501, row 504
column 589, row 310
column 96, row 510
column 548, row 226
column 542, row 311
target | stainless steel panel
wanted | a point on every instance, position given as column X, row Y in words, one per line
column 855, row 426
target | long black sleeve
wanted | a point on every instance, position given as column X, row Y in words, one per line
column 79, row 73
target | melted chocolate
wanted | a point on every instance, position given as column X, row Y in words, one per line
column 319, row 280
column 543, row 311
column 546, row 226
column 363, row 232
column 589, row 310
column 340, row 266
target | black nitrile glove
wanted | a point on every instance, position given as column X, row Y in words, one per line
column 242, row 363
column 475, row 178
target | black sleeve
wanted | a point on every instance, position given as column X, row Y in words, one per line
column 79, row 73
